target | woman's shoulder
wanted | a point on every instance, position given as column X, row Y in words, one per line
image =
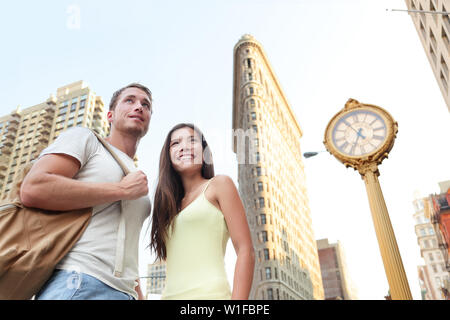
column 222, row 182
column 222, row 179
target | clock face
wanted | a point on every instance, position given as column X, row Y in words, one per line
column 359, row 133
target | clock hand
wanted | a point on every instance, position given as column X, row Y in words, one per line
column 359, row 133
column 350, row 126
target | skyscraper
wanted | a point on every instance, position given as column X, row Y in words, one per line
column 271, row 181
column 433, row 276
column 434, row 33
column 336, row 279
column 25, row 133
column 156, row 278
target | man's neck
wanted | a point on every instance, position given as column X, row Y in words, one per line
column 124, row 142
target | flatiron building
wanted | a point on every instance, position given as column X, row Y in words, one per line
column 271, row 180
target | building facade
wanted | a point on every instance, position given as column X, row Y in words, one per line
column 156, row 278
column 271, row 180
column 434, row 275
column 434, row 33
column 441, row 223
column 25, row 133
column 335, row 276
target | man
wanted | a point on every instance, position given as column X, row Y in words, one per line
column 75, row 172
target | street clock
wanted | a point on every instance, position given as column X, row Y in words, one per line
column 360, row 133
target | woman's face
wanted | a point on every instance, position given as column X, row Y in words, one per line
column 185, row 149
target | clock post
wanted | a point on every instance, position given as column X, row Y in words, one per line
column 361, row 136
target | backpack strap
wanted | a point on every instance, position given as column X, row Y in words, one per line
column 121, row 232
column 111, row 151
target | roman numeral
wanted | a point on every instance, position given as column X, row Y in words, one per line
column 343, row 146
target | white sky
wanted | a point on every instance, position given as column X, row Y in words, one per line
column 323, row 52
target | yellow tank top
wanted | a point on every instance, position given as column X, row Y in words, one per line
column 195, row 267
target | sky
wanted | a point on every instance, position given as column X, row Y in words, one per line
column 323, row 53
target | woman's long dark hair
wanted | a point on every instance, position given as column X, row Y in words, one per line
column 169, row 191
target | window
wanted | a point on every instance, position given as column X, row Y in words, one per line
column 444, row 66
column 251, row 90
column 432, row 8
column 434, row 243
column 430, row 256
column 261, row 202
column 443, row 80
column 432, row 38
column 73, row 107
column 255, row 128
column 249, row 63
column 62, row 111
column 263, row 219
column 258, row 157
column 438, row 282
column 268, row 273
column 264, row 236
column 260, row 186
column 270, row 294
column 444, row 37
column 434, row 268
column 258, row 171
column 253, row 115
column 266, row 254
column 433, row 55
column 422, row 29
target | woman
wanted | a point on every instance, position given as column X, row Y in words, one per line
column 194, row 215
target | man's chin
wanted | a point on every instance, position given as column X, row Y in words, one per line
column 137, row 132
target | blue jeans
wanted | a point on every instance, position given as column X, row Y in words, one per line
column 73, row 285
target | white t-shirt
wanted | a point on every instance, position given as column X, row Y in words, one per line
column 95, row 251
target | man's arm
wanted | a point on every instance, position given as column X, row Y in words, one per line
column 49, row 185
column 139, row 291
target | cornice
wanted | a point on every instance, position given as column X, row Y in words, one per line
column 245, row 41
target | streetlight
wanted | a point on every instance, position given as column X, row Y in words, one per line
column 312, row 153
column 420, row 11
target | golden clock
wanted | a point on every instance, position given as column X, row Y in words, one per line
column 360, row 132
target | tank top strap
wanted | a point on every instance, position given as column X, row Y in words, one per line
column 207, row 184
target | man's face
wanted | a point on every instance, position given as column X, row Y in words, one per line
column 132, row 112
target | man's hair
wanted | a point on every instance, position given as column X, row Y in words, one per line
column 116, row 94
